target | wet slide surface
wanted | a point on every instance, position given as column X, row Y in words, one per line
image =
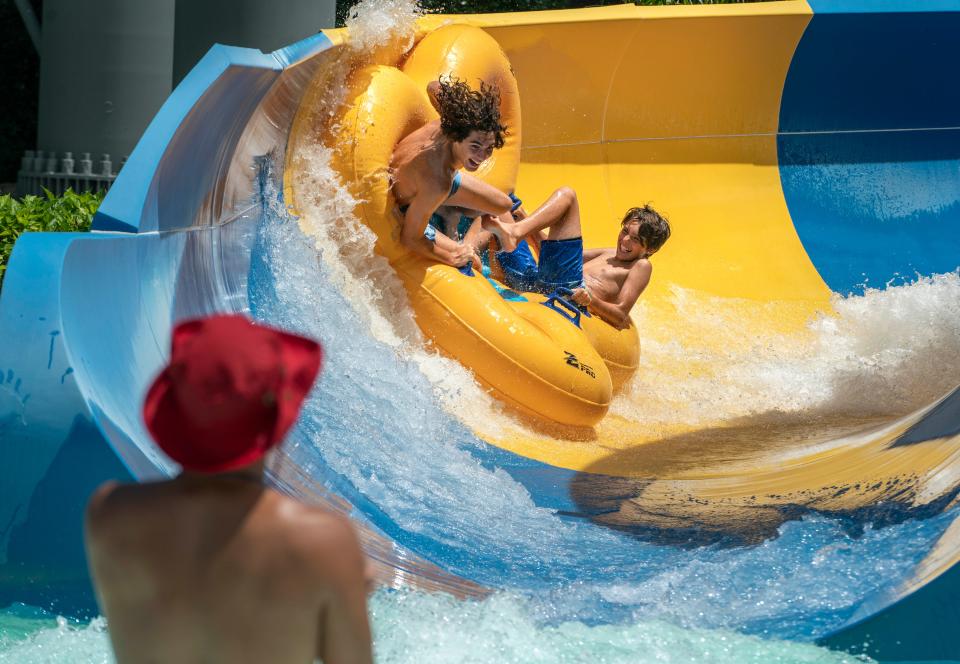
column 785, row 461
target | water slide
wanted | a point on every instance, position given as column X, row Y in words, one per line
column 785, row 463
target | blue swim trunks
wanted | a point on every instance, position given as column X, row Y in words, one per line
column 436, row 223
column 561, row 265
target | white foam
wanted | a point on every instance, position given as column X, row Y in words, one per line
column 373, row 24
column 884, row 353
column 414, row 628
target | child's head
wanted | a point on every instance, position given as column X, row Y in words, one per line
column 642, row 232
column 471, row 119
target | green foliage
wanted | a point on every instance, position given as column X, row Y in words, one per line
column 39, row 214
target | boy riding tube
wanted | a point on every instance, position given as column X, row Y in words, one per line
column 606, row 281
column 426, row 170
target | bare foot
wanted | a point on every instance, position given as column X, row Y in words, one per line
column 504, row 232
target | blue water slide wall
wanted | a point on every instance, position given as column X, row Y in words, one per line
column 85, row 318
column 869, row 153
column 869, row 143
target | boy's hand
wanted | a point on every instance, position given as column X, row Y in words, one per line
column 581, row 296
column 462, row 255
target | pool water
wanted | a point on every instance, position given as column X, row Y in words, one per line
column 423, row 629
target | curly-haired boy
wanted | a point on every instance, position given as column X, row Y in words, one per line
column 426, row 169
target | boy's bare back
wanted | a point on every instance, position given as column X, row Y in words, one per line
column 221, row 569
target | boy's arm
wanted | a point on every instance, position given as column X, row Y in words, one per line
column 411, row 234
column 618, row 313
column 478, row 195
column 590, row 254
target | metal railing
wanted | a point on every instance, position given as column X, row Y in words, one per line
column 39, row 171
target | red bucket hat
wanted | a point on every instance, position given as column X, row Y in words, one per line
column 232, row 390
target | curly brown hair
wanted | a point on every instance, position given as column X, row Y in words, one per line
column 463, row 110
column 654, row 228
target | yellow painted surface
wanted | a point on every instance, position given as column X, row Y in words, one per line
column 676, row 107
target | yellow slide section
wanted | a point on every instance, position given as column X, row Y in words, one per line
column 668, row 106
column 602, row 113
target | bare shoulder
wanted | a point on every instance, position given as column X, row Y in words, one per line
column 118, row 512
column 104, row 502
column 642, row 267
column 418, row 140
column 321, row 536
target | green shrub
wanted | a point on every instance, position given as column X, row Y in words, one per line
column 492, row 6
column 37, row 214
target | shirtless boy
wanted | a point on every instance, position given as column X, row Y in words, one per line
column 426, row 174
column 214, row 566
column 606, row 281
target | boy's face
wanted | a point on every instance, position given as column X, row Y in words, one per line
column 475, row 149
column 629, row 245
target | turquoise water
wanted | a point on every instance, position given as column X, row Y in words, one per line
column 422, row 629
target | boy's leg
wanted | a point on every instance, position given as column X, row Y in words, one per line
column 475, row 194
column 561, row 264
column 559, row 214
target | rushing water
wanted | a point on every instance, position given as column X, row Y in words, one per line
column 389, row 427
column 384, row 430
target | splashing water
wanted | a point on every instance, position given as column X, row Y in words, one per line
column 414, row 628
column 373, row 24
column 376, row 431
column 881, row 354
column 390, row 428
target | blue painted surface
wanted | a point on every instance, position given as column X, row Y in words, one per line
column 85, row 321
column 228, row 81
column 874, row 207
column 52, row 454
column 301, row 50
column 874, row 71
column 869, row 147
column 881, row 6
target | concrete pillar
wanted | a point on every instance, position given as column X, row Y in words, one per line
column 106, row 67
column 263, row 24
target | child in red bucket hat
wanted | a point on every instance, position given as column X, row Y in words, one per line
column 213, row 564
column 231, row 392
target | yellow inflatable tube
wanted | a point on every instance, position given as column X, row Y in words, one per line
column 535, row 357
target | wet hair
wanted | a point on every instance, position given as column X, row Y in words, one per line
column 654, row 228
column 463, row 110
